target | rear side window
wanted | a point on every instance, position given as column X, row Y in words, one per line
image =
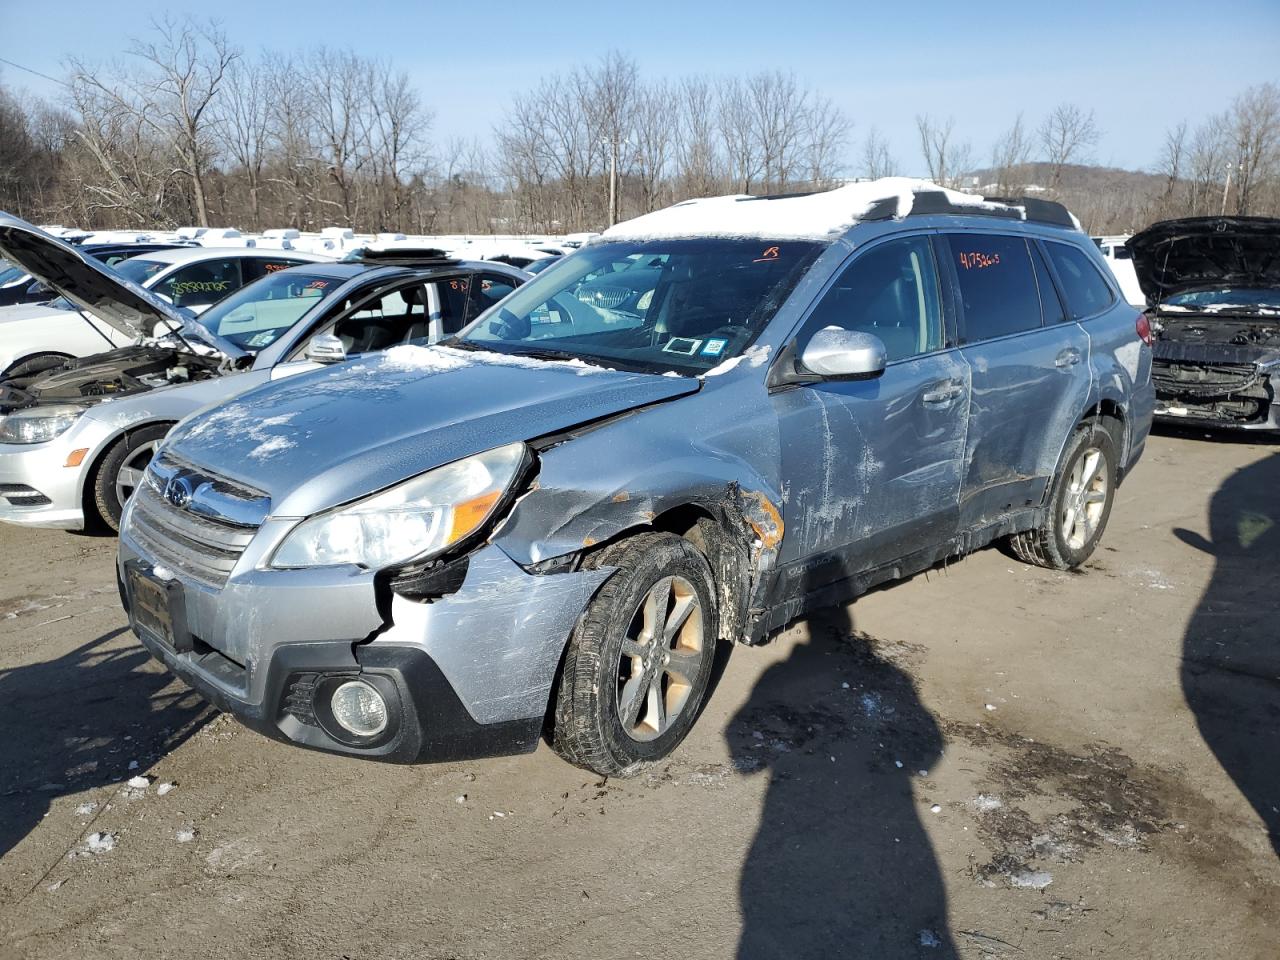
column 201, row 284
column 997, row 285
column 1050, row 303
column 1086, row 291
column 486, row 290
column 255, row 267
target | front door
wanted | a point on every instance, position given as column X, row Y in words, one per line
column 872, row 467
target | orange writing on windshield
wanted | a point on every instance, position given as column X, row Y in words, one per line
column 979, row 261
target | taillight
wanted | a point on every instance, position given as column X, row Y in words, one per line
column 1143, row 325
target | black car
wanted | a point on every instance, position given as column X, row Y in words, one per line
column 18, row 286
column 1213, row 285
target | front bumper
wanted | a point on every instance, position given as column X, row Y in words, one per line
column 37, row 489
column 467, row 675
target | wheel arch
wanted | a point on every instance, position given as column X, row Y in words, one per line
column 89, row 476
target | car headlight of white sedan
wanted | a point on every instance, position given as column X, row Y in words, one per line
column 38, row 424
column 413, row 520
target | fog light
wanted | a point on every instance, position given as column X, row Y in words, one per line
column 359, row 708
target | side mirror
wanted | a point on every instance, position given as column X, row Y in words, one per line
column 838, row 354
column 325, row 348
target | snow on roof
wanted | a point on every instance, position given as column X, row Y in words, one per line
column 813, row 216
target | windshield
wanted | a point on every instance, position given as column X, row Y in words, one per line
column 255, row 316
column 139, row 269
column 652, row 306
column 1212, row 301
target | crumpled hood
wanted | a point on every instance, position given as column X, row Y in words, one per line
column 83, row 280
column 1196, row 253
column 334, row 435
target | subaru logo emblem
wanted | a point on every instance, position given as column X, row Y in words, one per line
column 178, row 492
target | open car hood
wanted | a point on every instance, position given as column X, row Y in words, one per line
column 83, row 280
column 1197, row 253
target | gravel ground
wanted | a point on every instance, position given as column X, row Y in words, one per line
column 990, row 760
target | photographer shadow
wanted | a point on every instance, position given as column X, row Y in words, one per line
column 840, row 865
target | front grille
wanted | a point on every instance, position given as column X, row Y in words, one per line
column 20, row 495
column 607, row 297
column 203, row 548
column 1204, row 379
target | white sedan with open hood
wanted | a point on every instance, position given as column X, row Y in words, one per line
column 84, row 321
column 74, row 440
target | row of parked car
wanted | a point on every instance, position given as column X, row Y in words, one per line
column 411, row 507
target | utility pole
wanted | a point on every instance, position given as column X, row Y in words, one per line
column 613, row 183
column 1225, row 190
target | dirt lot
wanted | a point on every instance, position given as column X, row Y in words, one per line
column 990, row 760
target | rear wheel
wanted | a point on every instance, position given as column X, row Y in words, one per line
column 1079, row 507
column 120, row 471
column 639, row 662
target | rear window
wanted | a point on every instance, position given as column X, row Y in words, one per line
column 1087, row 293
column 997, row 285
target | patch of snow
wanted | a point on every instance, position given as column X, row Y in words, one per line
column 86, row 809
column 100, row 842
column 133, row 764
column 986, row 802
column 816, row 216
column 185, row 834
column 164, row 788
column 139, row 783
column 270, row 447
column 1030, row 879
column 936, row 808
column 755, row 356
column 929, row 939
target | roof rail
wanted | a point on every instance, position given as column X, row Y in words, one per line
column 934, row 202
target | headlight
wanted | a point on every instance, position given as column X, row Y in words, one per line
column 38, row 424
column 413, row 520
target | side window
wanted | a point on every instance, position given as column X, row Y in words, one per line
column 453, row 303
column 201, row 284
column 1050, row 303
column 257, row 267
column 997, row 285
column 890, row 291
column 1086, row 292
column 394, row 317
column 486, row 290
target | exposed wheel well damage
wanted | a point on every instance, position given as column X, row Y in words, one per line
column 738, row 533
column 1110, row 416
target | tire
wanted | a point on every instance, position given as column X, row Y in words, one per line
column 120, row 470
column 612, row 663
column 36, row 363
column 1079, row 507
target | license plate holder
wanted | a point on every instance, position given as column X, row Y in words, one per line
column 155, row 608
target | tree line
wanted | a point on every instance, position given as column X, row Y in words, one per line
column 188, row 129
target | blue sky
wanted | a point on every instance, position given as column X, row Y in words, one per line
column 1141, row 66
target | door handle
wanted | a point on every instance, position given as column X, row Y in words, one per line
column 1067, row 358
column 943, row 392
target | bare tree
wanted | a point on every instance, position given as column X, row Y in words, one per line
column 243, row 120
column 944, row 156
column 697, row 158
column 182, row 71
column 608, row 95
column 735, row 121
column 1009, row 158
column 877, row 161
column 1066, row 136
column 400, row 122
column 1255, row 130
column 826, row 137
column 778, row 108
column 651, row 136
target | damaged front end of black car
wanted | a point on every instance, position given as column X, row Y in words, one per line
column 1213, row 285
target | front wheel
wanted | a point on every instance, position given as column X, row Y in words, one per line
column 640, row 659
column 121, row 469
column 1080, row 504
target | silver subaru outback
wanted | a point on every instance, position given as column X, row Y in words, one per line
column 686, row 434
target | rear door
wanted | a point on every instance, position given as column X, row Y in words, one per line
column 873, row 467
column 1030, row 367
